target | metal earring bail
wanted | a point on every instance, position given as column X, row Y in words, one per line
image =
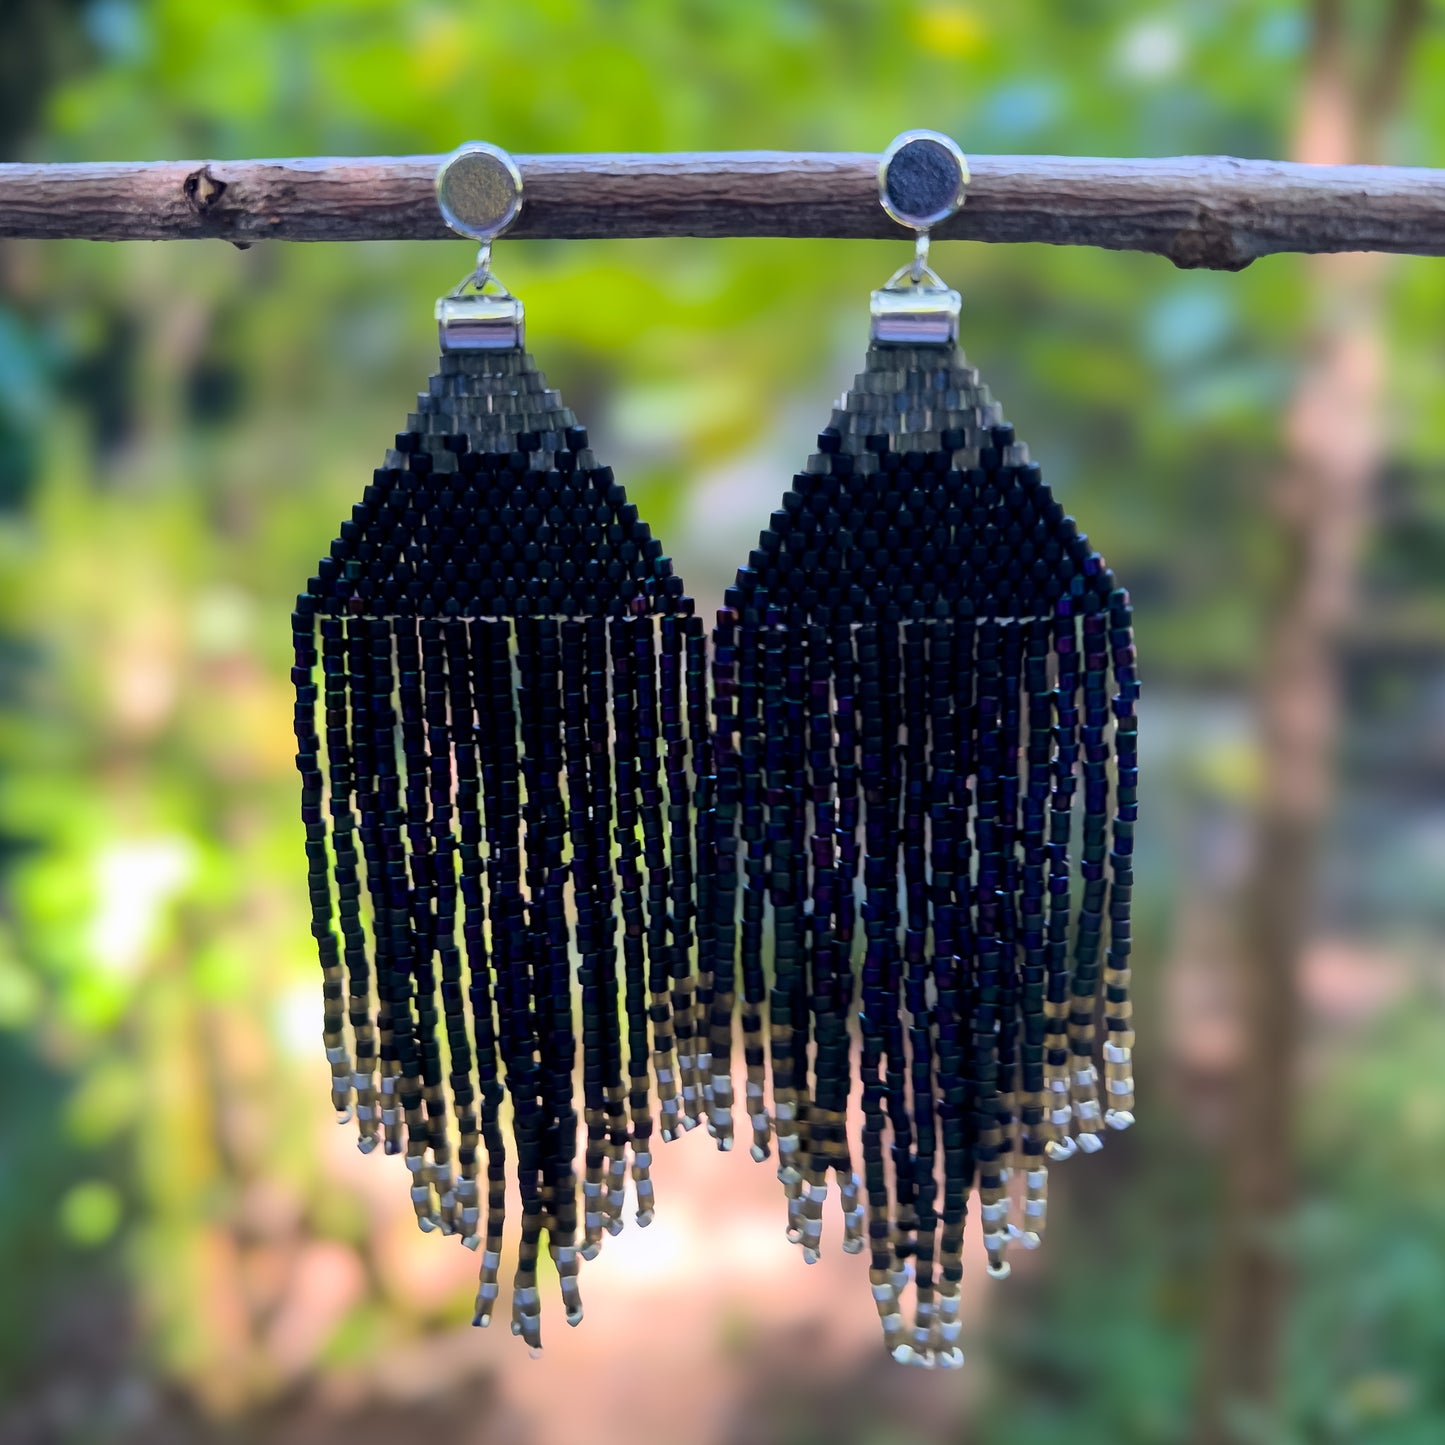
column 479, row 195
column 922, row 180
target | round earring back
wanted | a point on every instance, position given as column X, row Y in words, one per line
column 922, row 179
column 479, row 190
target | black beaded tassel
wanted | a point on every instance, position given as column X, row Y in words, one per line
column 919, row 664
column 511, row 683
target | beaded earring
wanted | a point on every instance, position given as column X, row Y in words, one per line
column 512, row 682
column 898, row 675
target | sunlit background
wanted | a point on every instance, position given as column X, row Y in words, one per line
column 190, row 1250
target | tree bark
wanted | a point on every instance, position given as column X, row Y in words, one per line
column 1199, row 211
column 1322, row 501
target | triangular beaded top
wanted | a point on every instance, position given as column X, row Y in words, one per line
column 492, row 504
column 897, row 677
column 919, row 503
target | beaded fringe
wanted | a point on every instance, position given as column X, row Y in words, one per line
column 528, row 740
column 898, row 675
column 509, row 676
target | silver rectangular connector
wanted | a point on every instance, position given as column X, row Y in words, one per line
column 916, row 315
column 479, row 323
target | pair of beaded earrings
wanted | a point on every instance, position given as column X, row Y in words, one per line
column 545, row 807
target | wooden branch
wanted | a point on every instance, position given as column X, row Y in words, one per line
column 1211, row 211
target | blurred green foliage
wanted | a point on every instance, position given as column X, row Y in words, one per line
column 182, row 425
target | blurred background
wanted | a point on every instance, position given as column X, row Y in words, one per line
column 190, row 1250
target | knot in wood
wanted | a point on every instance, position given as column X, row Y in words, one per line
column 203, row 191
column 1210, row 244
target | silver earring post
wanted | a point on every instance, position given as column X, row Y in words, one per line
column 479, row 194
column 922, row 180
